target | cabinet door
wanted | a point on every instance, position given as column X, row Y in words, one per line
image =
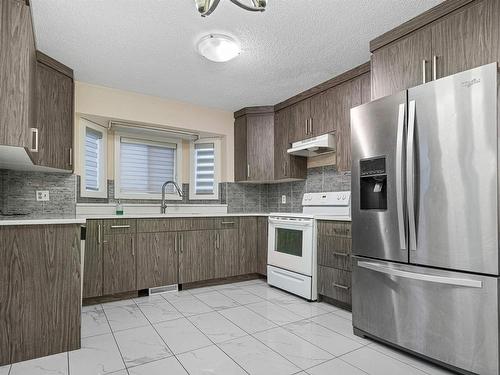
column 345, row 97
column 365, row 88
column 248, row 245
column 323, row 113
column 299, row 128
column 285, row 165
column 17, row 74
column 399, row 65
column 467, row 38
column 262, row 229
column 54, row 97
column 260, row 147
column 240, row 149
column 196, row 256
column 120, row 267
column 226, row 253
column 92, row 271
column 157, row 262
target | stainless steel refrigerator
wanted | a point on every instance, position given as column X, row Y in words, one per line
column 425, row 227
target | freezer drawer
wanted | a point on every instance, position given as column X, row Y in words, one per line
column 448, row 316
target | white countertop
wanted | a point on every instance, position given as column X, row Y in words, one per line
column 81, row 219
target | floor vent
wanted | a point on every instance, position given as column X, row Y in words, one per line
column 163, row 289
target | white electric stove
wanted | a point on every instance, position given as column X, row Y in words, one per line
column 292, row 255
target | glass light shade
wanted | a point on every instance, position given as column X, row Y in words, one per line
column 218, row 47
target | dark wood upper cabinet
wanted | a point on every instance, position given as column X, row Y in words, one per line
column 260, row 144
column 401, row 64
column 119, row 263
column 17, row 74
column 467, row 38
column 240, row 149
column 286, row 166
column 261, row 141
column 54, row 102
column 322, row 113
column 300, row 120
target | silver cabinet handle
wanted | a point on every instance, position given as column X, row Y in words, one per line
column 227, row 222
column 399, row 177
column 340, row 254
column 307, row 126
column 119, row 226
column 424, row 71
column 181, row 243
column 132, row 246
column 99, row 234
column 410, row 181
column 35, row 147
column 341, row 286
column 248, row 170
column 471, row 283
column 71, row 156
column 434, row 67
column 310, row 125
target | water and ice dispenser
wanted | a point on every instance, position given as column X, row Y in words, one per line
column 373, row 184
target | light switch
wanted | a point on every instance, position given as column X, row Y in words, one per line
column 42, row 195
column 283, row 199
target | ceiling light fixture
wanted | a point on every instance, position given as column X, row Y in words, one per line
column 218, row 47
column 206, row 7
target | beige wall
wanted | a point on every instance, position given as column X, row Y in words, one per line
column 103, row 102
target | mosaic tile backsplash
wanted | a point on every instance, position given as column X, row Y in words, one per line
column 17, row 193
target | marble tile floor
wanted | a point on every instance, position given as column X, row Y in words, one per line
column 240, row 328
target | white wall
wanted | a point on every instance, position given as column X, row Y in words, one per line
column 92, row 100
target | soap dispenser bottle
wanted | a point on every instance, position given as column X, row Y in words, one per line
column 119, row 208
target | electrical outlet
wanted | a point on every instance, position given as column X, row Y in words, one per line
column 283, row 199
column 42, row 195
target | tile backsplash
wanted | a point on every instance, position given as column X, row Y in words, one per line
column 17, row 193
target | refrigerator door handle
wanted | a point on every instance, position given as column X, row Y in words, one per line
column 410, row 180
column 470, row 283
column 399, row 177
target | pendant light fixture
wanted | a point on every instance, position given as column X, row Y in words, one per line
column 206, row 7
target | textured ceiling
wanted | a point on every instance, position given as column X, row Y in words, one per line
column 148, row 46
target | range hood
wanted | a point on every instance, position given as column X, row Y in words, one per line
column 314, row 146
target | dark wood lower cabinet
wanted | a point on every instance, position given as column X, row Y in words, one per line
column 248, row 245
column 92, row 266
column 119, row 263
column 334, row 260
column 156, row 259
column 262, row 232
column 40, row 291
column 196, row 255
column 226, row 253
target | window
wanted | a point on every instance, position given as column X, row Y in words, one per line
column 205, row 169
column 143, row 165
column 93, row 156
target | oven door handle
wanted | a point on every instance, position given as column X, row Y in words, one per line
column 290, row 223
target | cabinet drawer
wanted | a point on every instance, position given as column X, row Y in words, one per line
column 119, row 226
column 334, row 251
column 334, row 228
column 335, row 284
column 227, row 222
column 175, row 224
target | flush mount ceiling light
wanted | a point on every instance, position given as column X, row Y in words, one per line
column 218, row 47
column 205, row 7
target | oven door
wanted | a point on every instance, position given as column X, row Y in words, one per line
column 290, row 244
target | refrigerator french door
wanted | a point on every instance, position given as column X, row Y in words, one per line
column 425, row 220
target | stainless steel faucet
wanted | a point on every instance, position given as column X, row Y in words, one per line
column 163, row 189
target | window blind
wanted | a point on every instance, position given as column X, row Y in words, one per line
column 93, row 144
column 204, row 168
column 145, row 166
